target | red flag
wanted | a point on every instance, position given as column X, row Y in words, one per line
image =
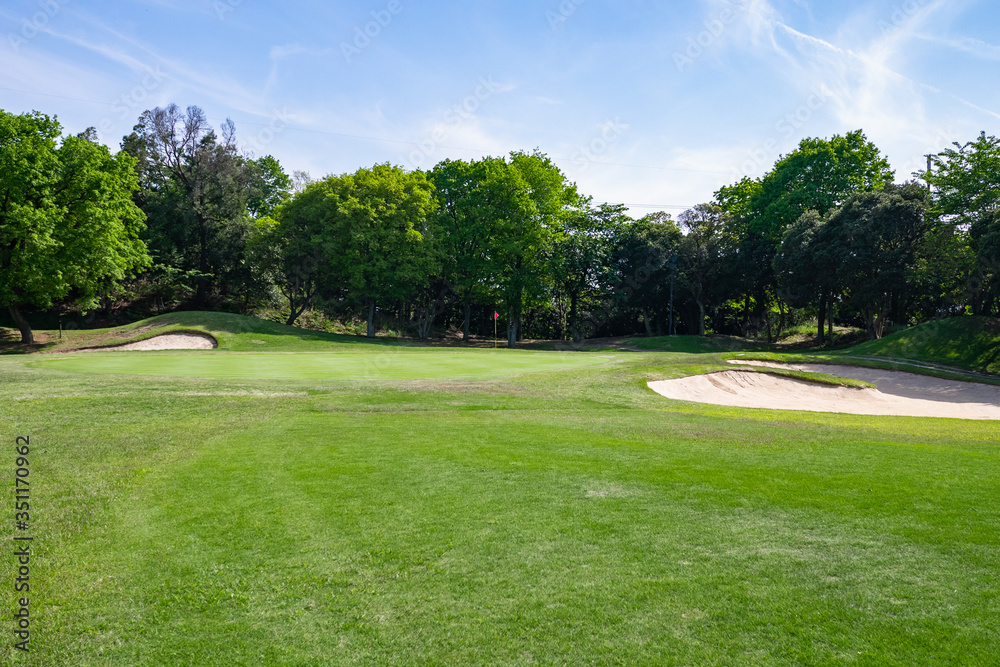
column 496, row 315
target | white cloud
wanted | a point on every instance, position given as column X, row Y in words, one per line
column 974, row 47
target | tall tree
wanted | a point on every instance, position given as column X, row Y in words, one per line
column 67, row 222
column 200, row 195
column 300, row 245
column 643, row 253
column 528, row 220
column 269, row 187
column 701, row 255
column 878, row 235
column 808, row 265
column 743, row 244
column 819, row 176
column 466, row 193
column 966, row 197
column 583, row 258
column 383, row 243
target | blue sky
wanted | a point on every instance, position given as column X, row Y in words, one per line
column 651, row 104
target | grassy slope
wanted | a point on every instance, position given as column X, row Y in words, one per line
column 233, row 332
column 568, row 518
column 972, row 343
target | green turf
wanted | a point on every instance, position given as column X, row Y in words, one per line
column 696, row 344
column 232, row 332
column 389, row 363
column 563, row 517
column 972, row 343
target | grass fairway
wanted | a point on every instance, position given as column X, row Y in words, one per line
column 386, row 364
column 561, row 516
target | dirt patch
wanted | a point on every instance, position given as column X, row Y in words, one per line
column 897, row 393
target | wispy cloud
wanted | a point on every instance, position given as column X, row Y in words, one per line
column 200, row 82
column 774, row 71
column 975, row 47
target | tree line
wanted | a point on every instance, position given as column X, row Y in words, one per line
column 181, row 218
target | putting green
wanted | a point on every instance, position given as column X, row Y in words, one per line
column 390, row 364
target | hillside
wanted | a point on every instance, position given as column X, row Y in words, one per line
column 972, row 343
column 233, row 332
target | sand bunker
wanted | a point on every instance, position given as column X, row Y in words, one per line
column 184, row 341
column 897, row 393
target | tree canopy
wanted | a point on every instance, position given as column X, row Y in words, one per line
column 68, row 225
column 824, row 235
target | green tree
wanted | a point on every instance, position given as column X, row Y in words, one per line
column 878, row 235
column 298, row 246
column 808, row 265
column 643, row 253
column 466, row 193
column 742, row 245
column 498, row 223
column 819, row 176
column 583, row 259
column 528, row 218
column 269, row 187
column 383, row 243
column 966, row 197
column 201, row 195
column 68, row 226
column 701, row 255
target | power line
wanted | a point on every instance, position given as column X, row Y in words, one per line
column 659, row 206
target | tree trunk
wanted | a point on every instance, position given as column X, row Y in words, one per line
column 512, row 331
column 746, row 315
column 466, row 324
column 877, row 318
column 295, row 313
column 701, row 318
column 371, row 318
column 782, row 311
column 821, row 318
column 27, row 336
column 829, row 314
column 645, row 321
column 574, row 325
column 201, row 295
column 425, row 322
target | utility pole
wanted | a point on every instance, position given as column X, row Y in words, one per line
column 928, row 179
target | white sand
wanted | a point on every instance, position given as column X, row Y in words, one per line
column 185, row 341
column 897, row 393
